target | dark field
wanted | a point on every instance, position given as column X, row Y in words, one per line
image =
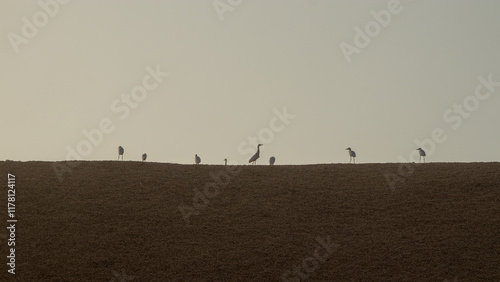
column 122, row 221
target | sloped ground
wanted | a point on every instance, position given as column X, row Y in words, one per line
column 122, row 221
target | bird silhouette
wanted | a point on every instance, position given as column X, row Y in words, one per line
column 422, row 154
column 120, row 152
column 352, row 155
column 254, row 158
column 272, row 160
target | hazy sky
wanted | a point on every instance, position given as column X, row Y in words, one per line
column 65, row 68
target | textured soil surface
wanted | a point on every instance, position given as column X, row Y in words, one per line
column 130, row 221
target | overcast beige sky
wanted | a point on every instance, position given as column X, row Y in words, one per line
column 177, row 78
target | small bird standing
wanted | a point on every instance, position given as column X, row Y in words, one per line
column 120, row 152
column 272, row 160
column 254, row 158
column 197, row 160
column 422, row 154
column 144, row 157
column 352, row 155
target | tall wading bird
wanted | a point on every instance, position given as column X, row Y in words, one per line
column 254, row 158
column 272, row 160
column 197, row 160
column 120, row 152
column 144, row 157
column 352, row 155
column 422, row 154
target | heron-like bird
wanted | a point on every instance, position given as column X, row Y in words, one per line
column 144, row 156
column 197, row 159
column 422, row 154
column 352, row 155
column 120, row 152
column 254, row 158
column 225, row 161
column 272, row 160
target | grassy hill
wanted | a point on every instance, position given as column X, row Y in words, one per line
column 122, row 221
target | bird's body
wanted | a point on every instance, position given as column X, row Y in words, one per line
column 272, row 160
column 120, row 152
column 197, row 160
column 255, row 157
column 144, row 156
column 352, row 155
column 422, row 154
